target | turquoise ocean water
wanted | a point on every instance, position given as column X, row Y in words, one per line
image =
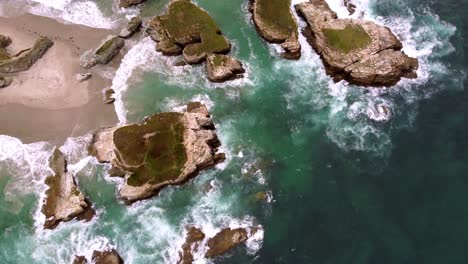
column 345, row 183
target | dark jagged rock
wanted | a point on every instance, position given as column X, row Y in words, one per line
column 350, row 6
column 101, row 257
column 132, row 27
column 167, row 149
column 64, row 201
column 358, row 51
column 5, row 81
column 224, row 241
column 104, row 53
column 221, row 68
column 109, row 96
column 5, row 41
column 128, row 3
column 276, row 24
column 25, row 59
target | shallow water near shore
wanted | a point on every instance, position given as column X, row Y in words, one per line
column 347, row 184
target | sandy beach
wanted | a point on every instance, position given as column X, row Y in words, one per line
column 47, row 103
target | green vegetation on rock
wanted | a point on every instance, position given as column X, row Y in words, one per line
column 4, row 55
column 350, row 38
column 188, row 25
column 154, row 151
column 274, row 14
column 104, row 47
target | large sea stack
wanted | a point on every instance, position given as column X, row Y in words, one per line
column 361, row 52
column 167, row 149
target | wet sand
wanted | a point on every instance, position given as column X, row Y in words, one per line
column 47, row 103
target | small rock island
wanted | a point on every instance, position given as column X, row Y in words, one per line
column 189, row 30
column 167, row 149
column 360, row 52
column 276, row 24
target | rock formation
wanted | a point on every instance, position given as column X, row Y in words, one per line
column 222, row 67
column 5, row 41
column 188, row 30
column 350, row 6
column 167, row 149
column 109, row 96
column 64, row 201
column 81, row 77
column 127, row 3
column 104, row 53
column 25, row 59
column 5, row 81
column 221, row 243
column 132, row 27
column 276, row 24
column 358, row 51
column 101, row 257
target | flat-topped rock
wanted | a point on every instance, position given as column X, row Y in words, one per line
column 26, row 58
column 221, row 243
column 361, row 52
column 221, row 68
column 128, row 3
column 64, row 201
column 109, row 48
column 101, row 257
column 276, row 24
column 166, row 149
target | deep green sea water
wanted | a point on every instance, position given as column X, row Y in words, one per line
column 348, row 185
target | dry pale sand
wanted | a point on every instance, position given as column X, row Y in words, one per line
column 47, row 103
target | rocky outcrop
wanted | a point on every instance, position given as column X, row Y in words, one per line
column 187, row 30
column 132, row 27
column 104, row 53
column 221, row 243
column 221, row 68
column 64, row 201
column 361, row 52
column 26, row 58
column 350, row 6
column 81, row 77
column 5, row 81
column 276, row 24
column 101, row 257
column 128, row 3
column 109, row 96
column 167, row 149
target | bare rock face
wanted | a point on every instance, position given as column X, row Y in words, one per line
column 26, row 58
column 221, row 68
column 128, row 3
column 132, row 27
column 64, row 201
column 101, row 257
column 358, row 51
column 104, row 53
column 276, row 24
column 167, row 149
column 224, row 241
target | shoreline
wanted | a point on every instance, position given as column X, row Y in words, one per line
column 48, row 103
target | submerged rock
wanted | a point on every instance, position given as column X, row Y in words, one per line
column 221, row 68
column 104, row 53
column 132, row 27
column 358, row 51
column 101, row 257
column 127, row 3
column 276, row 24
column 221, row 243
column 5, row 81
column 167, row 149
column 26, row 58
column 81, row 77
column 64, row 201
